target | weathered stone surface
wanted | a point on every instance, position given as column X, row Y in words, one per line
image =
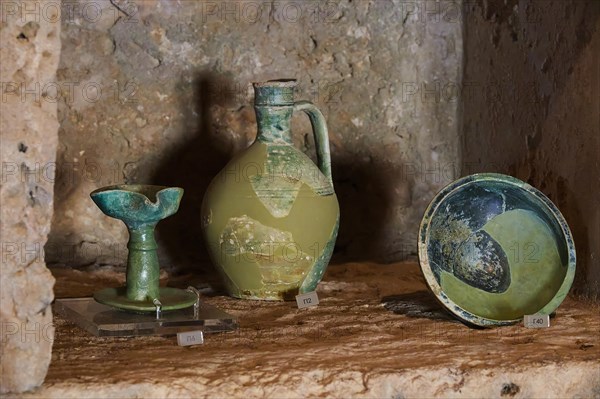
column 176, row 105
column 30, row 49
column 376, row 333
column 531, row 108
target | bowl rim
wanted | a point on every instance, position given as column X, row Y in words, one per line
column 423, row 244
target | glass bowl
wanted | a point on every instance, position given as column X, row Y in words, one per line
column 493, row 249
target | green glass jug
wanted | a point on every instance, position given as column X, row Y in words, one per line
column 270, row 218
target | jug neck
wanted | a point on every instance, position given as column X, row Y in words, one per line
column 274, row 124
column 273, row 104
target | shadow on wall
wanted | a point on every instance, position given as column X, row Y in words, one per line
column 366, row 191
column 191, row 165
column 366, row 198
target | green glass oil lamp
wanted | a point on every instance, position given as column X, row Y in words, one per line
column 141, row 207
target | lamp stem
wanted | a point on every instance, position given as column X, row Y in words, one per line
column 142, row 264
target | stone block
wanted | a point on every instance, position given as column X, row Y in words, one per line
column 30, row 50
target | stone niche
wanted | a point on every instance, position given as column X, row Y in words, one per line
column 415, row 93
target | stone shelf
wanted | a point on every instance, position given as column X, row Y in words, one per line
column 377, row 332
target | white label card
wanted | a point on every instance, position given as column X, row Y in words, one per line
column 188, row 338
column 307, row 300
column 536, row 321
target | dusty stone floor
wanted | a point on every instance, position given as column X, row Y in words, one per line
column 377, row 332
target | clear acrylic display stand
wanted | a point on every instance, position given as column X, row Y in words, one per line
column 104, row 321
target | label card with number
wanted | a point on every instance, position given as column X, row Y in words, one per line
column 536, row 321
column 307, row 300
column 188, row 338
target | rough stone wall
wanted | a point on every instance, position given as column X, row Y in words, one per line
column 30, row 44
column 160, row 91
column 531, row 108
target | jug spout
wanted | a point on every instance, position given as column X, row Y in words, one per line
column 278, row 92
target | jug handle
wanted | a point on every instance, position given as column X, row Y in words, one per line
column 319, row 127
